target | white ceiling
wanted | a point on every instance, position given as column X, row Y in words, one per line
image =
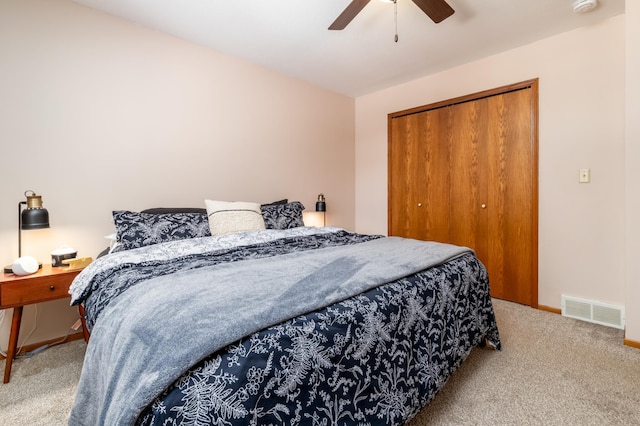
column 291, row 36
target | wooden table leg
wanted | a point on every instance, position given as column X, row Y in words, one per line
column 13, row 342
column 85, row 331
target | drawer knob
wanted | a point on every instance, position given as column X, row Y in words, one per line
column 52, row 288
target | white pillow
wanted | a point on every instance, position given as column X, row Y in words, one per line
column 226, row 217
column 113, row 241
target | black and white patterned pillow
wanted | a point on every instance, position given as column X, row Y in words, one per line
column 135, row 229
column 283, row 216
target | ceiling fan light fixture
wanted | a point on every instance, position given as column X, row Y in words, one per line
column 583, row 6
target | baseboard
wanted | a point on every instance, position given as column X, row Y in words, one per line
column 550, row 309
column 632, row 343
column 627, row 342
column 32, row 346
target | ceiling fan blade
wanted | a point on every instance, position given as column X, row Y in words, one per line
column 348, row 14
column 437, row 10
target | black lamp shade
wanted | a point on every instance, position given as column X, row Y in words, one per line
column 37, row 218
column 321, row 205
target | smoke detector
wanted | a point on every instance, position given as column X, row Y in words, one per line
column 582, row 6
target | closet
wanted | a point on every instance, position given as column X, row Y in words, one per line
column 465, row 171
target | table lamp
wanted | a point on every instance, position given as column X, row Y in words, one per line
column 321, row 206
column 33, row 217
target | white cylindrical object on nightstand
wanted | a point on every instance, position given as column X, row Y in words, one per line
column 25, row 265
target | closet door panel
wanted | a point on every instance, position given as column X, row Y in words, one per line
column 498, row 218
column 406, row 185
column 418, row 185
column 511, row 206
column 468, row 177
column 435, row 207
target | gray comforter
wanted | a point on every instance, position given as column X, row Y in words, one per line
column 150, row 334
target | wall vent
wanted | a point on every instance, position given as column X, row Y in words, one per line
column 592, row 311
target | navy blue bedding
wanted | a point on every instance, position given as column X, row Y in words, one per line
column 375, row 358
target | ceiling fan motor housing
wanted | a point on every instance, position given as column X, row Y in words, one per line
column 581, row 6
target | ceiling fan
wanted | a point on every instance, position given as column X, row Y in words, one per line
column 437, row 10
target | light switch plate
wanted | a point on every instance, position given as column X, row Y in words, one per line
column 585, row 175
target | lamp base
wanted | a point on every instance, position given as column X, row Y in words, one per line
column 9, row 268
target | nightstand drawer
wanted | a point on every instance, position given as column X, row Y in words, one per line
column 33, row 291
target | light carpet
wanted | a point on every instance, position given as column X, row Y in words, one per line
column 551, row 371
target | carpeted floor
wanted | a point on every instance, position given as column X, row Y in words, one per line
column 551, row 371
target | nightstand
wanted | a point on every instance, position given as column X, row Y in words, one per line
column 47, row 284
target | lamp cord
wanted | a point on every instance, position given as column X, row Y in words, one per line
column 38, row 349
column 35, row 324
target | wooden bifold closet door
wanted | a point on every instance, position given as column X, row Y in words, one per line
column 464, row 172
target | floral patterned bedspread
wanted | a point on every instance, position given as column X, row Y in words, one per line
column 374, row 359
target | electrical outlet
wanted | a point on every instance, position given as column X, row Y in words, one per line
column 585, row 175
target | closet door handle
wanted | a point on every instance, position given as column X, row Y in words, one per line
column 484, row 206
column 419, row 204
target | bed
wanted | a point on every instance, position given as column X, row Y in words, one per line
column 280, row 325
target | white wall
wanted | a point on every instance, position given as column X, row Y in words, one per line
column 582, row 116
column 97, row 114
column 633, row 171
